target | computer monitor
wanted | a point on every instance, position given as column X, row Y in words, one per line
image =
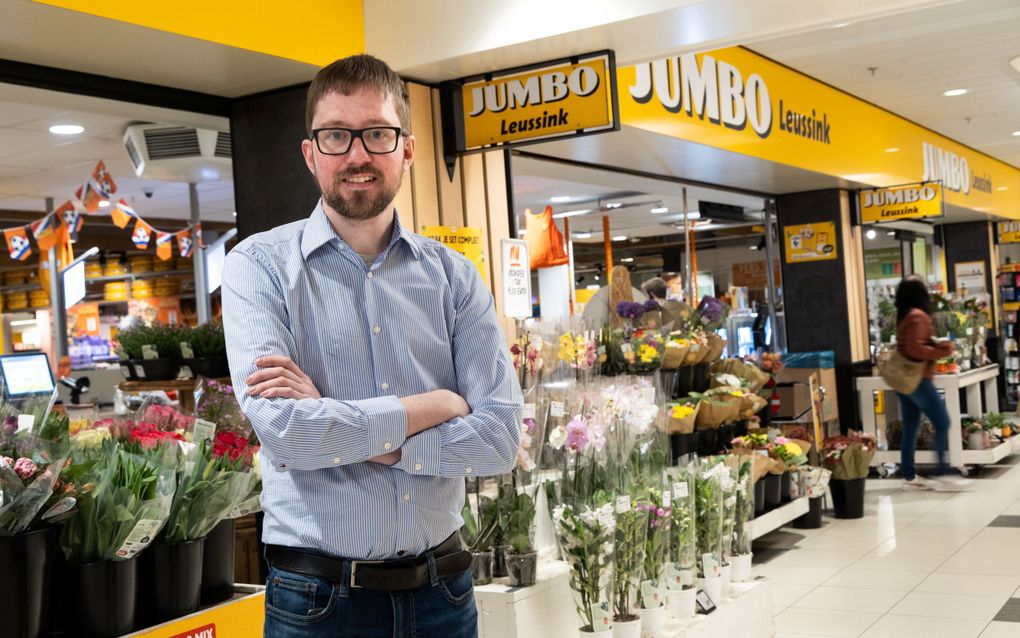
column 74, row 283
column 26, row 373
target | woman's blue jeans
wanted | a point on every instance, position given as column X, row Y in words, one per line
column 926, row 400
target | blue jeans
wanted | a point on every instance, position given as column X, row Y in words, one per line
column 925, row 399
column 299, row 606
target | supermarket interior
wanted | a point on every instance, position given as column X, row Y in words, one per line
column 755, row 266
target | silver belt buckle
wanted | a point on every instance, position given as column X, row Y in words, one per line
column 354, row 570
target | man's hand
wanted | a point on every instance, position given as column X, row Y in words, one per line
column 390, row 458
column 279, row 377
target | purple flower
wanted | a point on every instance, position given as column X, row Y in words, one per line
column 10, row 425
column 652, row 305
column 529, row 423
column 630, row 309
column 711, row 310
column 577, row 435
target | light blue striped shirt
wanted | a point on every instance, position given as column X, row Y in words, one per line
column 419, row 319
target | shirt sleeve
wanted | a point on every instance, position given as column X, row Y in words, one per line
column 915, row 339
column 485, row 442
column 305, row 434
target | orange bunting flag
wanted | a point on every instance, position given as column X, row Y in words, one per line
column 18, row 245
column 198, row 235
column 45, row 232
column 164, row 245
column 122, row 214
column 103, row 180
column 184, row 242
column 143, row 232
column 71, row 219
column 89, row 196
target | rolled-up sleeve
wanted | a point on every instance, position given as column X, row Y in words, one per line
column 305, row 434
column 485, row 442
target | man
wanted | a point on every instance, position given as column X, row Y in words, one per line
column 363, row 485
column 675, row 285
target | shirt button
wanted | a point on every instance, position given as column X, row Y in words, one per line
column 417, row 466
column 387, row 445
column 385, row 386
column 336, row 461
column 376, row 329
column 467, row 469
column 370, row 274
column 407, row 497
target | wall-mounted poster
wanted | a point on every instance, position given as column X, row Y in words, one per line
column 810, row 242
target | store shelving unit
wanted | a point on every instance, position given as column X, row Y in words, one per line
column 782, row 515
column 1008, row 281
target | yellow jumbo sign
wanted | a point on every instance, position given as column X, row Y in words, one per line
column 561, row 98
column 1009, row 232
column 737, row 100
column 902, row 202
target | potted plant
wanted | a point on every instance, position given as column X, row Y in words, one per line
column 207, row 347
column 977, row 437
column 682, row 568
column 628, row 561
column 480, row 527
column 995, row 425
column 150, row 352
column 711, row 483
column 848, row 458
column 740, row 551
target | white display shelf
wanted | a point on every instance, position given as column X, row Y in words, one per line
column 778, row 517
column 546, row 610
column 969, row 457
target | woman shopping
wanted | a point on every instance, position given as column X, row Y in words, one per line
column 915, row 340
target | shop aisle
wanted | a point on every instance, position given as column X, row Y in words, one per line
column 919, row 564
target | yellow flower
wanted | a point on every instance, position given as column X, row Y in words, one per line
column 793, row 449
column 647, row 353
column 681, row 411
column 76, row 425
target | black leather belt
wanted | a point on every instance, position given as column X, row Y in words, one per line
column 381, row 575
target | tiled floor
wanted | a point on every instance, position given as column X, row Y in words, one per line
column 919, row 564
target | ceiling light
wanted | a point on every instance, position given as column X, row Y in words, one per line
column 582, row 235
column 66, row 129
column 753, row 247
column 1002, row 188
column 23, row 322
column 619, row 238
column 235, row 213
column 659, row 209
column 614, row 205
column 1016, row 133
column 559, row 199
column 891, row 233
column 627, row 260
column 892, row 150
column 694, row 215
column 954, row 92
column 522, row 233
column 592, row 286
column 840, row 25
column 871, row 234
column 103, row 203
column 571, row 213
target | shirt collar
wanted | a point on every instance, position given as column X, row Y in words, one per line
column 318, row 232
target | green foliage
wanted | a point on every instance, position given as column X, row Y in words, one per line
column 994, row 421
column 520, row 522
column 207, row 340
column 166, row 339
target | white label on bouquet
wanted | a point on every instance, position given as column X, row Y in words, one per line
column 601, row 617
column 204, row 431
column 529, row 411
column 650, row 593
column 680, row 490
column 186, row 351
column 606, row 518
column 25, row 422
column 556, row 409
column 625, row 348
column 687, row 578
column 186, row 372
column 140, row 537
column 149, row 352
column 674, row 576
column 710, row 565
column 139, row 371
column 247, row 507
column 622, row 504
column 667, row 501
column 970, row 331
column 601, row 350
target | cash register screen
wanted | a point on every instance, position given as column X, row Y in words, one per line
column 25, row 374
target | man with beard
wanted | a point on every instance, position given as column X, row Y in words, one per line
column 371, row 364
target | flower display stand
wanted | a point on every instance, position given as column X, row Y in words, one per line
column 240, row 617
column 748, row 613
column 545, row 609
column 782, row 515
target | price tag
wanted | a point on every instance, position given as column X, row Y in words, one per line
column 606, row 518
column 601, row 350
column 149, row 352
column 680, row 490
column 140, row 537
column 667, row 500
column 245, row 508
column 710, row 565
column 529, row 411
column 203, row 431
column 139, row 371
column 674, row 576
column 25, row 422
column 625, row 348
column 601, row 617
column 556, row 408
column 124, row 369
column 186, row 350
column 622, row 504
column 650, row 594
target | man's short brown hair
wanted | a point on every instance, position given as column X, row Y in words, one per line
column 347, row 75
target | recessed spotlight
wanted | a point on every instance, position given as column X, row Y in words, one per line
column 840, row 25
column 893, row 149
column 694, row 215
column 871, row 234
column 582, row 235
column 559, row 199
column 1002, row 188
column 571, row 213
column 659, row 209
column 104, row 203
column 891, row 233
column 235, row 213
column 627, row 260
column 588, row 287
column 619, row 238
column 66, row 129
column 954, row 92
column 614, row 205
column 1016, row 133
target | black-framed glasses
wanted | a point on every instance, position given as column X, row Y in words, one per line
column 378, row 140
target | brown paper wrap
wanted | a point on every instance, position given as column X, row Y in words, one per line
column 755, row 376
column 717, row 410
column 674, row 355
column 751, row 404
column 716, row 347
column 762, row 462
column 684, row 425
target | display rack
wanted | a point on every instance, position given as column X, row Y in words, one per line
column 240, row 617
column 1009, row 352
column 782, row 515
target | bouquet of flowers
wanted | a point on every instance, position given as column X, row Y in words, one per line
column 848, row 457
column 213, row 479
column 682, row 541
column 628, row 552
column 643, row 352
column 740, row 373
column 681, row 417
column 31, row 460
column 744, row 510
column 658, row 501
column 729, row 490
column 164, row 417
column 713, row 481
column 585, row 532
column 790, row 453
column 711, row 313
column 124, row 491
